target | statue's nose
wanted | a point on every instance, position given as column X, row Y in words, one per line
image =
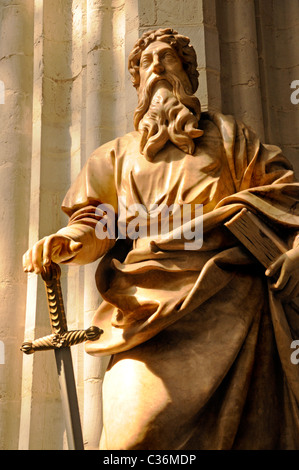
column 157, row 65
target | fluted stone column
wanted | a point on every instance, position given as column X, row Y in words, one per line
column 278, row 46
column 16, row 44
column 40, row 406
column 240, row 83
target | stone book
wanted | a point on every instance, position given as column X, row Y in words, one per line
column 257, row 237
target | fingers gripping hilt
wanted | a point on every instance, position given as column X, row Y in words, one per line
column 60, row 336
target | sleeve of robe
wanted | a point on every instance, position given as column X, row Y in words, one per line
column 93, row 187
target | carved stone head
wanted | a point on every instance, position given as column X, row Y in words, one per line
column 180, row 44
column 163, row 68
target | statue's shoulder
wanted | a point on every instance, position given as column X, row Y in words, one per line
column 117, row 146
column 227, row 126
column 219, row 119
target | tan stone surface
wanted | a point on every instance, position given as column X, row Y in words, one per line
column 68, row 127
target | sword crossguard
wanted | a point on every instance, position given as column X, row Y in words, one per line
column 60, row 336
column 57, row 341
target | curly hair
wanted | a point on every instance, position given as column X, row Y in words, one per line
column 180, row 43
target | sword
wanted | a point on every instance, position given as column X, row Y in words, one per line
column 60, row 340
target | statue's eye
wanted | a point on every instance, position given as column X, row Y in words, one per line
column 145, row 62
column 169, row 57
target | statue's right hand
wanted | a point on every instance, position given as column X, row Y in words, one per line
column 57, row 248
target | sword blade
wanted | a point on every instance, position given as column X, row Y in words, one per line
column 69, row 398
column 68, row 391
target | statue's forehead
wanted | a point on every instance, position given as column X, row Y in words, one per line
column 157, row 46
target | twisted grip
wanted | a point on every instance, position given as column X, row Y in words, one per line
column 60, row 336
column 51, row 276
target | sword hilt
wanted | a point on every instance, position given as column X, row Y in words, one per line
column 51, row 276
column 60, row 336
column 64, row 340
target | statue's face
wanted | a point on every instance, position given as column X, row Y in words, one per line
column 160, row 59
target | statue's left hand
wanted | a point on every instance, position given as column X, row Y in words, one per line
column 287, row 269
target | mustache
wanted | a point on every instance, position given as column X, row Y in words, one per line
column 144, row 101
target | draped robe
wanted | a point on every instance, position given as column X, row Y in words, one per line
column 207, row 313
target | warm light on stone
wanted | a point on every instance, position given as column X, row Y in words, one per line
column 64, row 91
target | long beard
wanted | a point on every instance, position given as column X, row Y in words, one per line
column 164, row 114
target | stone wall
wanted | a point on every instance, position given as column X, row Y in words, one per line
column 63, row 64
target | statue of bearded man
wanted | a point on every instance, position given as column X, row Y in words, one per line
column 199, row 334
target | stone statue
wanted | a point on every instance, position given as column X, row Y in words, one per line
column 200, row 336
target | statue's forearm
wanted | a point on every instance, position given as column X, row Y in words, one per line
column 92, row 248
